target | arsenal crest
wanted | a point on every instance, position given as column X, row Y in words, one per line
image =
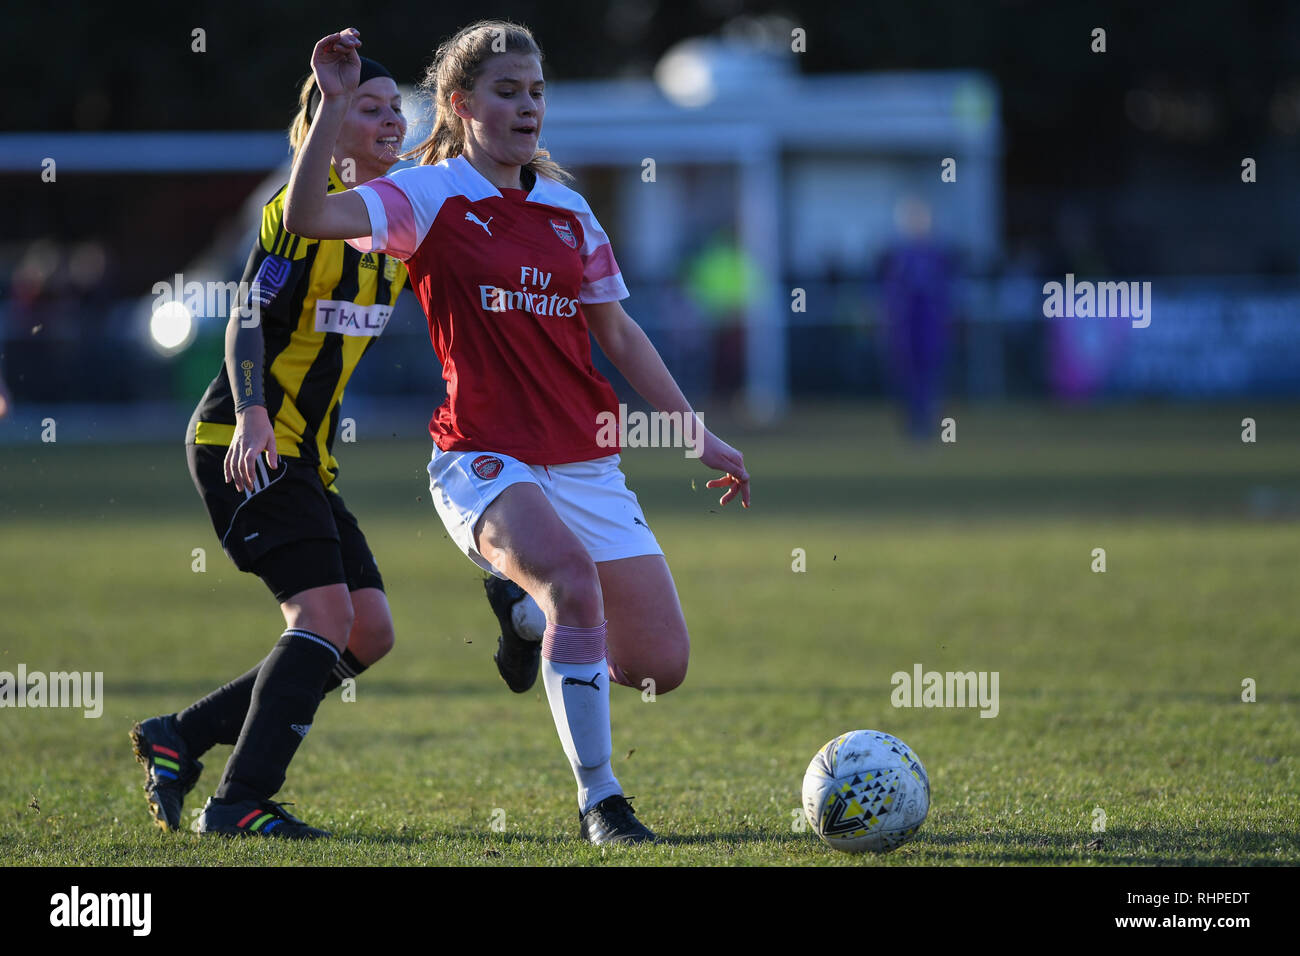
column 565, row 232
column 487, row 467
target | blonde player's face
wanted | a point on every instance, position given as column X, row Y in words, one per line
column 506, row 108
column 373, row 130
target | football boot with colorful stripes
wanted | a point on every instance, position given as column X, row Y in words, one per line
column 170, row 772
column 264, row 818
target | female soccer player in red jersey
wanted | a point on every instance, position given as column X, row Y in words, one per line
column 260, row 452
column 513, row 269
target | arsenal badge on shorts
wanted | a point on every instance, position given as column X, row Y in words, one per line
column 487, row 467
column 565, row 232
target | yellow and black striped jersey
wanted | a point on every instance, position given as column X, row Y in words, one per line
column 322, row 305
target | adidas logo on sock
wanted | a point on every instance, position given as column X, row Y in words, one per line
column 300, row 729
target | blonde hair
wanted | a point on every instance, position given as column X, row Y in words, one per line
column 456, row 65
column 301, row 121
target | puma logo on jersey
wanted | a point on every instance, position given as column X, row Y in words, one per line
column 470, row 217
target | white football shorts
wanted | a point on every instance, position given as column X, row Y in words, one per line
column 591, row 498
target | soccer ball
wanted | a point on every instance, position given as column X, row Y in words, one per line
column 866, row 791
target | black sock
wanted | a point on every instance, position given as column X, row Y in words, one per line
column 217, row 718
column 348, row 666
column 284, row 700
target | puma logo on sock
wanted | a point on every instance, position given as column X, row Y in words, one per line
column 586, row 683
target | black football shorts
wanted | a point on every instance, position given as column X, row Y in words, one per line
column 289, row 530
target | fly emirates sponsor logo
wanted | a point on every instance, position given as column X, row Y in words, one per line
column 532, row 297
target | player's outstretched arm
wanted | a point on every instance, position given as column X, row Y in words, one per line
column 308, row 209
column 634, row 355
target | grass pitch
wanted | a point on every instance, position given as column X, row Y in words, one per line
column 1119, row 692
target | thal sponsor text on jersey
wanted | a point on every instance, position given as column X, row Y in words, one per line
column 348, row 318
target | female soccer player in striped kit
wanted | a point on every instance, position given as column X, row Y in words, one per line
column 322, row 304
column 513, row 269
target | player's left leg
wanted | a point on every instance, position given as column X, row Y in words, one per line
column 647, row 638
column 523, row 625
column 372, row 629
column 646, row 632
column 371, row 636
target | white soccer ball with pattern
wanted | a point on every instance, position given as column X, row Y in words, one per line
column 866, row 790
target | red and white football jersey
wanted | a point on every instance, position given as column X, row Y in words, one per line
column 502, row 275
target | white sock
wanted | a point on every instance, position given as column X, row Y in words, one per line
column 528, row 619
column 580, row 708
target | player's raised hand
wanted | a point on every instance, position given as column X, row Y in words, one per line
column 336, row 63
column 254, row 434
column 720, row 456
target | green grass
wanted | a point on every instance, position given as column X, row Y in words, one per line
column 1119, row 690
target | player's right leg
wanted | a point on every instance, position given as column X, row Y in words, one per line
column 332, row 598
column 285, row 530
column 496, row 512
column 170, row 746
column 520, row 534
column 285, row 696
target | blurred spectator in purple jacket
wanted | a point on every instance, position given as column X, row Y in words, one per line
column 917, row 276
